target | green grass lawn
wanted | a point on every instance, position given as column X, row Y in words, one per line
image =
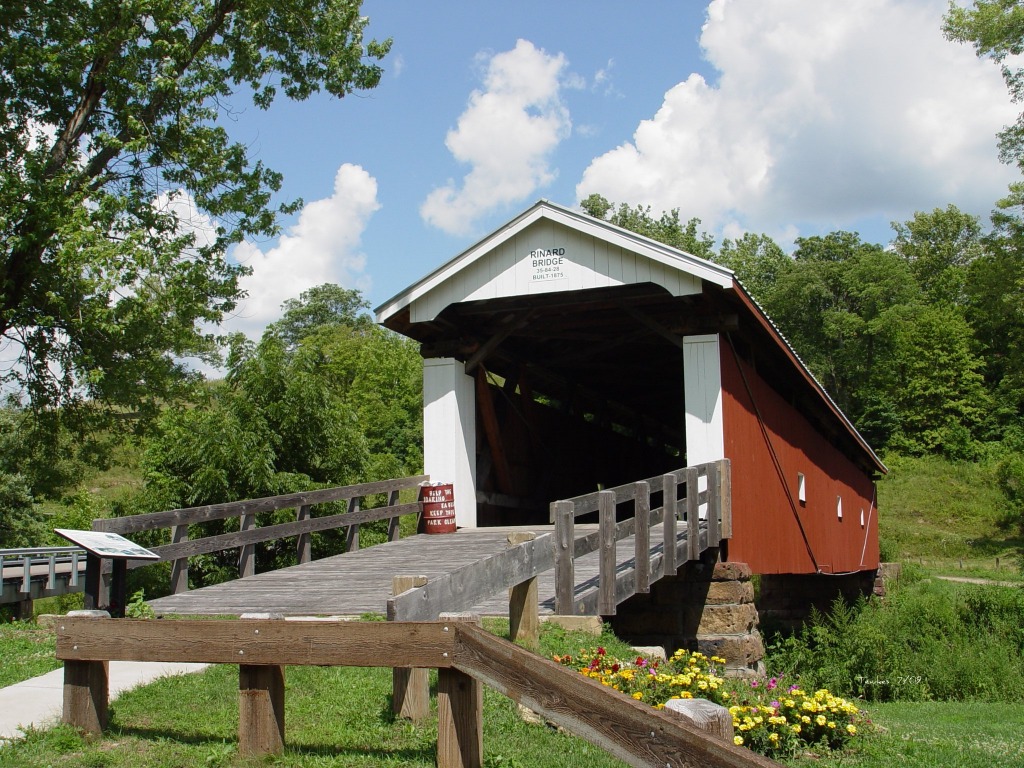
column 26, row 651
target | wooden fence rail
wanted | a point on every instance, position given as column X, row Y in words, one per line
column 649, row 563
column 464, row 655
column 248, row 535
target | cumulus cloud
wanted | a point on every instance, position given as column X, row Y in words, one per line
column 822, row 113
column 321, row 247
column 506, row 136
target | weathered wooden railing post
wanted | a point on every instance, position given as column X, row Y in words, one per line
column 606, row 525
column 460, row 709
column 304, row 544
column 692, row 514
column 642, row 537
column 86, row 688
column 179, row 567
column 714, row 506
column 668, row 503
column 352, row 532
column 523, row 602
column 247, row 552
column 394, row 523
column 565, row 543
column 260, row 704
column 725, row 493
column 410, row 688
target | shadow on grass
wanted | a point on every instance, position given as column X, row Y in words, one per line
column 423, row 754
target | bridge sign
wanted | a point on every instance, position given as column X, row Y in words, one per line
column 104, row 544
column 116, row 548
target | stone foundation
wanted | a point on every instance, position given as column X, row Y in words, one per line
column 785, row 600
column 706, row 606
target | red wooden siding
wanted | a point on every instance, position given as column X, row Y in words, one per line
column 770, row 443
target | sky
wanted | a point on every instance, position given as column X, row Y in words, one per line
column 788, row 117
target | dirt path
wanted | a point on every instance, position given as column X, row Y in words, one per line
column 969, row 580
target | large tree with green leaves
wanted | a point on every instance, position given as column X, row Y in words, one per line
column 120, row 189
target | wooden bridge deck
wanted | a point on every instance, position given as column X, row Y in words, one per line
column 360, row 582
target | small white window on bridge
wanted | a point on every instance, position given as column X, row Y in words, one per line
column 839, row 507
column 801, row 487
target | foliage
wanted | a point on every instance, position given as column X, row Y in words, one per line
column 120, row 190
column 926, row 640
column 19, row 524
column 138, row 608
column 667, row 229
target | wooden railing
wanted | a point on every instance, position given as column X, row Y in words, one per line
column 248, row 535
column 681, row 502
column 463, row 654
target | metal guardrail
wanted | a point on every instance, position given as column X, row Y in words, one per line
column 27, row 563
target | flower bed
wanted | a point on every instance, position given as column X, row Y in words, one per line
column 767, row 717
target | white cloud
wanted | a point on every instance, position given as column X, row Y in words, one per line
column 506, row 136
column 321, row 247
column 823, row 113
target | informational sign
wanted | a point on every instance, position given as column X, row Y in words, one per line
column 547, row 264
column 109, row 545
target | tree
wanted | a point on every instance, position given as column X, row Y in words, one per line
column 120, row 192
column 323, row 306
column 996, row 29
column 667, row 229
column 940, row 247
column 757, row 260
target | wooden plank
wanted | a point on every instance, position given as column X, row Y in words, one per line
column 631, row 731
column 208, row 544
column 465, row 587
column 260, row 710
column 125, row 525
column 394, row 524
column 642, row 541
column 271, row 641
column 460, row 708
column 565, row 579
column 606, row 510
column 670, row 507
column 692, row 514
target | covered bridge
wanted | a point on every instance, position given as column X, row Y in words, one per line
column 563, row 354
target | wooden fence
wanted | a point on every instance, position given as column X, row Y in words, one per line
column 464, row 655
column 248, row 534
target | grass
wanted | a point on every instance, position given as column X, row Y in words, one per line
column 934, row 735
column 335, row 717
column 26, row 651
column 940, row 514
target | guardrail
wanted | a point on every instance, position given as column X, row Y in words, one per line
column 30, row 573
column 464, row 655
column 182, row 547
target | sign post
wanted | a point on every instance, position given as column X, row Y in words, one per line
column 117, row 549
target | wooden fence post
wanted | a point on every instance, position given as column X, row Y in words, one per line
column 725, row 493
column 692, row 514
column 642, row 537
column 260, row 703
column 606, row 523
column 247, row 554
column 714, row 506
column 394, row 523
column 352, row 532
column 460, row 708
column 668, row 503
column 86, row 688
column 179, row 567
column 410, row 688
column 260, row 709
column 523, row 602
column 565, row 543
column 304, row 545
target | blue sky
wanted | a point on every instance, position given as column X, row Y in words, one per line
column 790, row 117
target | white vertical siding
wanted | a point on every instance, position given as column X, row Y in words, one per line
column 702, row 376
column 449, row 432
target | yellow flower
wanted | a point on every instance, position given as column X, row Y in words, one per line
column 820, row 719
column 773, row 738
column 795, row 728
column 737, row 740
column 851, row 729
column 638, row 695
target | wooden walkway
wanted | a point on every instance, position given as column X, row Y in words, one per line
column 360, row 582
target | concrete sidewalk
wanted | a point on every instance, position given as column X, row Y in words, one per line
column 38, row 702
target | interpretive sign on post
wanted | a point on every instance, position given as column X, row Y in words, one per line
column 116, row 548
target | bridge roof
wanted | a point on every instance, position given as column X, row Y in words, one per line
column 575, row 298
